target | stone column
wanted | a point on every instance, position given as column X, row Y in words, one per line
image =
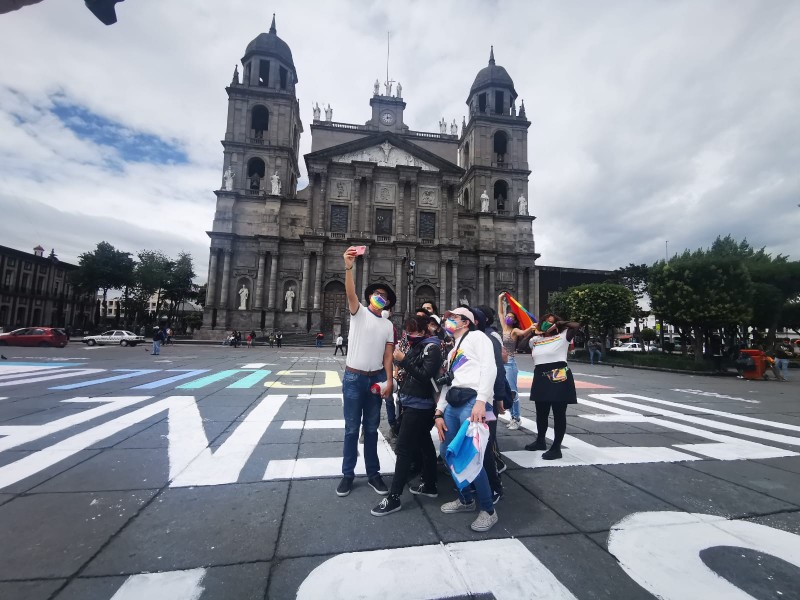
column 519, row 285
column 260, row 281
column 366, row 214
column 364, row 274
column 401, row 194
column 312, row 202
column 304, row 285
column 481, row 286
column 533, row 289
column 412, row 217
column 226, row 276
column 398, row 285
column 454, row 290
column 318, row 283
column 273, row 280
column 492, row 283
column 211, row 292
column 353, row 221
column 323, row 186
column 442, row 284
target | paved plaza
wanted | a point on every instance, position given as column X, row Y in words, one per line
column 209, row 472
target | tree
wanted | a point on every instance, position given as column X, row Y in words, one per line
column 105, row 268
column 151, row 271
column 603, row 306
column 790, row 316
column 179, row 285
column 649, row 335
column 700, row 291
column 558, row 304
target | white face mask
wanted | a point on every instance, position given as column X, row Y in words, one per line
column 384, row 314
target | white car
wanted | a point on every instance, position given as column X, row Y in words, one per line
column 631, row 347
column 115, row 336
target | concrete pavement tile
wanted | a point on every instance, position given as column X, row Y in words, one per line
column 318, row 522
column 242, row 402
column 5, row 498
column 30, row 590
column 113, row 470
column 240, row 582
column 604, row 427
column 155, row 436
column 584, row 568
column 256, row 465
column 786, row 463
column 190, row 527
column 311, row 436
column 45, row 474
column 586, row 497
column 788, row 521
column 321, row 450
column 287, row 575
column 55, row 534
column 326, row 412
column 755, row 573
column 694, row 491
column 519, row 514
column 292, row 410
column 653, row 440
column 763, row 478
column 223, row 413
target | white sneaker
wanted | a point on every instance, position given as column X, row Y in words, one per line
column 514, row 424
column 485, row 521
column 458, row 506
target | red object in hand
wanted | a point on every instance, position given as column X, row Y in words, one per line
column 360, row 250
column 378, row 388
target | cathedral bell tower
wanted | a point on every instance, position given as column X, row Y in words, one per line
column 259, row 173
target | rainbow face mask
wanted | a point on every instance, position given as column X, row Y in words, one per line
column 377, row 302
column 450, row 326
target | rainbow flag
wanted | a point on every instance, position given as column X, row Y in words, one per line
column 458, row 360
column 524, row 318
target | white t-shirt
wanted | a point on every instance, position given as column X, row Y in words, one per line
column 339, row 340
column 549, row 349
column 369, row 334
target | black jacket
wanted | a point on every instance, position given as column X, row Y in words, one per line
column 502, row 391
column 422, row 362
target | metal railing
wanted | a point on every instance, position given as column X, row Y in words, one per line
column 336, row 235
column 426, row 241
column 383, row 238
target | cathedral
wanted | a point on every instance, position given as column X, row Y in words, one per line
column 444, row 215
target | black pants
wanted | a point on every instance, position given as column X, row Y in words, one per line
column 490, row 459
column 559, row 420
column 279, row 342
column 413, row 442
column 337, row 349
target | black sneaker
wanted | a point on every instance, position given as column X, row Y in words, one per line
column 376, row 483
column 536, row 445
column 387, row 506
column 344, row 487
column 501, row 466
column 422, row 490
column 496, row 496
column 552, row 454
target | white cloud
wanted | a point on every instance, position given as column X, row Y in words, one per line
column 651, row 120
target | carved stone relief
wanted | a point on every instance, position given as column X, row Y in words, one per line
column 385, row 155
column 339, row 189
column 428, row 197
column 385, row 193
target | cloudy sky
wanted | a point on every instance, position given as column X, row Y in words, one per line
column 651, row 120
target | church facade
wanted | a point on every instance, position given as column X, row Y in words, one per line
column 444, row 215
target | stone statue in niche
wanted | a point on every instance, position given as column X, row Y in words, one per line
column 464, row 299
column 454, row 128
column 276, row 184
column 484, row 202
column 376, row 89
column 289, row 298
column 522, row 205
column 244, row 294
column 227, row 180
column 329, row 113
column 399, row 90
column 316, row 111
column 442, row 126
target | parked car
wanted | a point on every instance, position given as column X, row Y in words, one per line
column 115, row 336
column 35, row 336
column 632, row 347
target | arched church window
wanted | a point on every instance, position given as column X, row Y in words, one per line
column 465, row 157
column 259, row 121
column 499, row 102
column 263, row 73
column 500, row 194
column 284, row 76
column 255, row 173
column 466, row 198
column 500, row 146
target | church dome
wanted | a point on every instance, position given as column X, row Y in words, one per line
column 492, row 76
column 271, row 45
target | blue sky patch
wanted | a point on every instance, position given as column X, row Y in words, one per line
column 131, row 146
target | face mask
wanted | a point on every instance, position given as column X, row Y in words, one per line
column 546, row 325
column 377, row 302
column 509, row 321
column 414, row 338
column 450, row 326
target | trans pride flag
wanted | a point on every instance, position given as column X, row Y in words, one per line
column 524, row 318
column 465, row 453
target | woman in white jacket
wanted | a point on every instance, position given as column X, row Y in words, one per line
column 472, row 367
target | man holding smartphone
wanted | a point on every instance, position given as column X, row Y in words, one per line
column 368, row 364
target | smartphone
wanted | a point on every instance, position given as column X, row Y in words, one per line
column 360, row 250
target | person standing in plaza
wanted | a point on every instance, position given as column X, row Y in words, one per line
column 553, row 385
column 595, row 351
column 339, row 345
column 472, row 370
column 158, row 337
column 512, row 336
column 783, row 353
column 421, row 363
column 368, row 364
column 279, row 338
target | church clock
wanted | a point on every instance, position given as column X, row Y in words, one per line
column 387, row 117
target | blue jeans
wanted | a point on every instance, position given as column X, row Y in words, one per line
column 453, row 418
column 512, row 371
column 783, row 365
column 592, row 354
column 156, row 347
column 361, row 404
